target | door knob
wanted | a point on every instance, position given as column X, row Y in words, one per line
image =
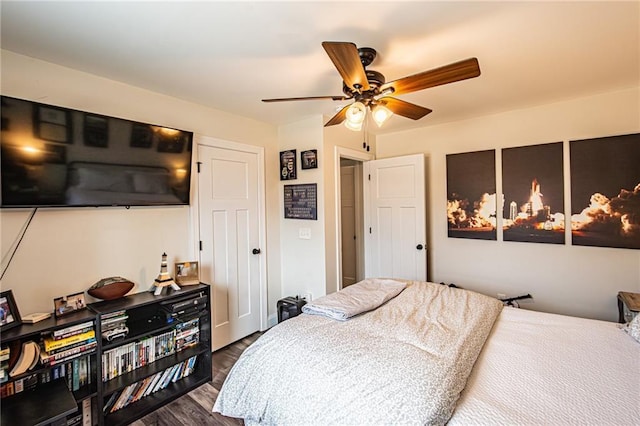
column 255, row 251
column 419, row 246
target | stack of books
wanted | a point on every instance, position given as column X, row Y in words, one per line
column 113, row 321
column 68, row 343
column 151, row 384
column 187, row 334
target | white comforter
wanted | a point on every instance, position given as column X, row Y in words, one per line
column 403, row 363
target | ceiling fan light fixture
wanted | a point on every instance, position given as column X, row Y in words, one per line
column 356, row 112
column 356, row 127
column 381, row 114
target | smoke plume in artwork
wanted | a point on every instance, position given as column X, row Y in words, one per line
column 532, row 183
column 471, row 195
column 605, row 191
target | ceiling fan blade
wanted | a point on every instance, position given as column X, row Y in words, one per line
column 403, row 108
column 308, row 98
column 339, row 117
column 451, row 73
column 346, row 59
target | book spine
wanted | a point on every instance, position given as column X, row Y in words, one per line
column 66, row 355
column 107, row 406
column 86, row 412
column 51, row 344
column 76, row 375
column 72, row 333
column 152, row 386
column 71, row 346
column 72, row 328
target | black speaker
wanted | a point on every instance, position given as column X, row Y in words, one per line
column 289, row 307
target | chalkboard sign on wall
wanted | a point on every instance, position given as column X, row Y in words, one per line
column 301, row 201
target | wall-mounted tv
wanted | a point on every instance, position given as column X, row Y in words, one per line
column 53, row 156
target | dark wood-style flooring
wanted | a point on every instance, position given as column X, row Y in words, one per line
column 195, row 407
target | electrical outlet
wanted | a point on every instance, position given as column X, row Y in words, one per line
column 307, row 297
column 502, row 296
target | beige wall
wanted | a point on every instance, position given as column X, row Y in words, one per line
column 67, row 250
column 302, row 261
column 573, row 280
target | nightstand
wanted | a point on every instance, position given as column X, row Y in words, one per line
column 628, row 306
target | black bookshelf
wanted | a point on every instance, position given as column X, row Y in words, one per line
column 146, row 318
column 45, row 402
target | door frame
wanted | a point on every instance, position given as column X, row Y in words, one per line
column 352, row 154
column 195, row 212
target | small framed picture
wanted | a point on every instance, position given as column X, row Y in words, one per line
column 171, row 141
column 288, row 165
column 9, row 315
column 52, row 123
column 69, row 304
column 309, row 159
column 141, row 136
column 96, row 131
column 187, row 273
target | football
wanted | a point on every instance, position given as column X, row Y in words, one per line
column 110, row 288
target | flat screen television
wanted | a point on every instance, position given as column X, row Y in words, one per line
column 54, row 157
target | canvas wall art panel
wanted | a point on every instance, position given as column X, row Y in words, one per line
column 471, row 195
column 605, row 191
column 533, row 188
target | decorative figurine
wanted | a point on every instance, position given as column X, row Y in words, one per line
column 164, row 279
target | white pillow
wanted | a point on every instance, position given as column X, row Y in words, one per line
column 151, row 183
column 633, row 328
column 103, row 180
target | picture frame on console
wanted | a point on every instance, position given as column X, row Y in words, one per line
column 187, row 273
column 69, row 304
column 9, row 314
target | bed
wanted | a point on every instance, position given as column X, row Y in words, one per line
column 118, row 184
column 436, row 355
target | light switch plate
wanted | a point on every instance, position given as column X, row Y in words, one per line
column 304, row 233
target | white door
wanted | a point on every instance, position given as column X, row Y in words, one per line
column 395, row 225
column 230, row 234
column 348, row 218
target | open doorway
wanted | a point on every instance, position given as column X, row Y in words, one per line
column 350, row 216
column 351, row 220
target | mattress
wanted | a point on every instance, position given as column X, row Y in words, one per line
column 546, row 369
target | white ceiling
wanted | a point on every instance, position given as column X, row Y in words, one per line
column 230, row 55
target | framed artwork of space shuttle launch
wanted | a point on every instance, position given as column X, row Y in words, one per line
column 605, row 191
column 533, row 188
column 471, row 195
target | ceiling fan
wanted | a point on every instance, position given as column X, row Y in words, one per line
column 369, row 89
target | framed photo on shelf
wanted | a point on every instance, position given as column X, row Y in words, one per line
column 309, row 159
column 69, row 304
column 187, row 273
column 9, row 314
